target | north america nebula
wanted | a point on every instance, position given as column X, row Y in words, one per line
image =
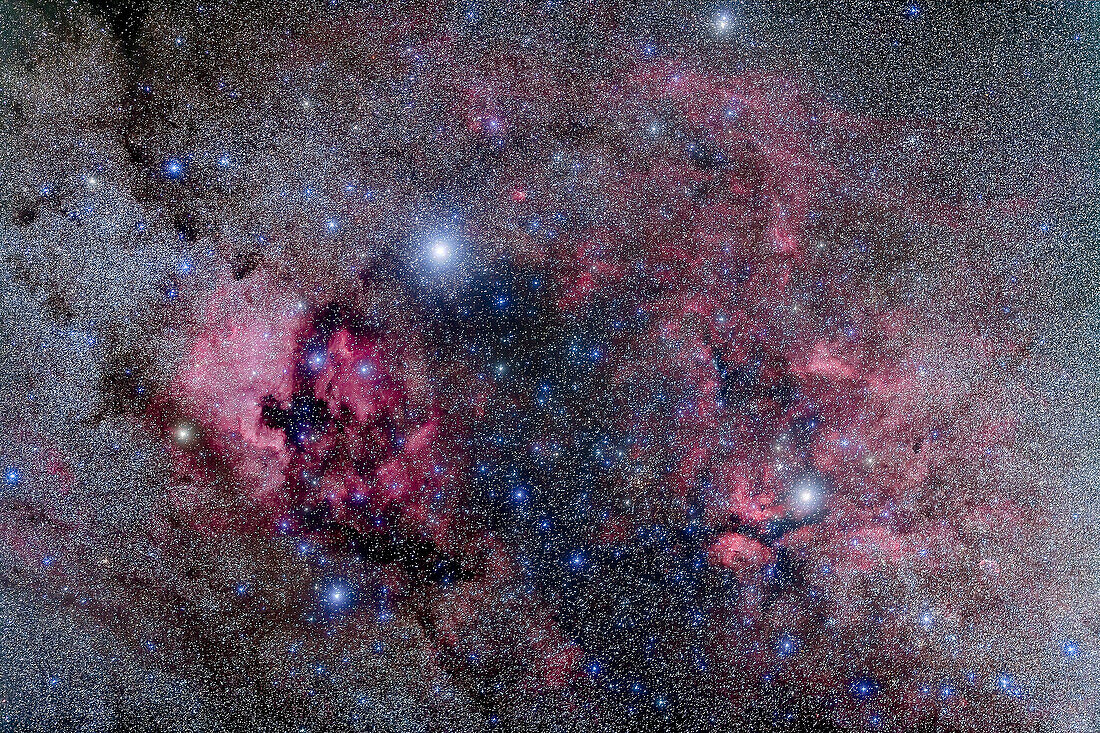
column 549, row 366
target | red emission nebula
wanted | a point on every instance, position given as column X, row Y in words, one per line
column 650, row 389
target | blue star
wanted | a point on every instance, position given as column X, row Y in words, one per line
column 786, row 646
column 912, row 11
column 173, row 169
column 12, row 476
column 1070, row 650
column 1007, row 685
column 337, row 596
column 315, row 359
column 863, row 688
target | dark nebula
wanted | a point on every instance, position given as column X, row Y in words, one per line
column 549, row 366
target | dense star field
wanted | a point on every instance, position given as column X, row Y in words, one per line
column 549, row 366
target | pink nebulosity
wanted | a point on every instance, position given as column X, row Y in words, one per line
column 849, row 390
column 373, row 449
column 244, row 354
column 382, row 451
column 737, row 552
column 375, row 456
column 810, row 429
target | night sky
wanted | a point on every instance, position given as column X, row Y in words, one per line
column 549, row 366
